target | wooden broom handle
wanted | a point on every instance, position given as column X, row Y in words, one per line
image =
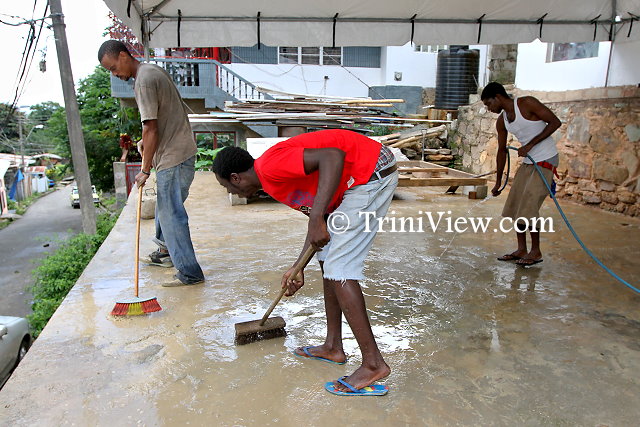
column 296, row 269
column 138, row 212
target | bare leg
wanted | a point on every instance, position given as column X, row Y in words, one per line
column 522, row 243
column 349, row 296
column 535, row 254
column 521, row 252
column 332, row 347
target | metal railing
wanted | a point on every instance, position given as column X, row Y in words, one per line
column 196, row 78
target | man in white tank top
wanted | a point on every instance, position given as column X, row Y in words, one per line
column 532, row 123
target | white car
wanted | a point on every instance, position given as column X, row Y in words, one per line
column 75, row 196
column 15, row 340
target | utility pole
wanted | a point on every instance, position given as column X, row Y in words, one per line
column 21, row 168
column 21, row 144
column 74, row 125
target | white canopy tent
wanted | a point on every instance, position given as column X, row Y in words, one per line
column 202, row 23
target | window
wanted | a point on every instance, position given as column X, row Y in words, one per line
column 310, row 55
column 213, row 140
column 568, row 51
column 288, row 55
column 331, row 55
column 430, row 48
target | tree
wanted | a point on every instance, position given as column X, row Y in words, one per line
column 9, row 132
column 103, row 120
column 41, row 113
column 42, row 138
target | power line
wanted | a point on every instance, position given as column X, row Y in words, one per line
column 27, row 58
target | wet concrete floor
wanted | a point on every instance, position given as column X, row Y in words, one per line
column 470, row 340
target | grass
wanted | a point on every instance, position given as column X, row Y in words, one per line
column 57, row 273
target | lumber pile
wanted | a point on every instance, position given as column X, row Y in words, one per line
column 414, row 138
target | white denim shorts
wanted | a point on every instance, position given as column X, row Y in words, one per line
column 345, row 253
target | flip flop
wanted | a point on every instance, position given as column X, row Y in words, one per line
column 311, row 356
column 509, row 257
column 370, row 390
column 525, row 262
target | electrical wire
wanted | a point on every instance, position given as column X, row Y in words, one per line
column 27, row 59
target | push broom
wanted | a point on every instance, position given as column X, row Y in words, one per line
column 266, row 328
column 136, row 305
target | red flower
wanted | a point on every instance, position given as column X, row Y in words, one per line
column 126, row 142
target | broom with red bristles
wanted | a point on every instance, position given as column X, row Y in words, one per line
column 136, row 306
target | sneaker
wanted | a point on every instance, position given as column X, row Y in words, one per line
column 160, row 259
column 177, row 282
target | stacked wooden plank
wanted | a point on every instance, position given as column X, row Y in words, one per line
column 414, row 138
column 416, row 173
column 318, row 111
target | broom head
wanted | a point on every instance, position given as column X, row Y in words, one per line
column 136, row 306
column 248, row 332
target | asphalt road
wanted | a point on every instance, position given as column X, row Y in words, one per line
column 47, row 222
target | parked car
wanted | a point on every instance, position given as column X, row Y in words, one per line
column 14, row 343
column 75, row 197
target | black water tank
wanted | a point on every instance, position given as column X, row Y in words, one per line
column 457, row 76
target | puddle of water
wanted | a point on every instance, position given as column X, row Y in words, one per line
column 466, row 336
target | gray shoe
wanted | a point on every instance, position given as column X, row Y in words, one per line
column 159, row 259
column 177, row 282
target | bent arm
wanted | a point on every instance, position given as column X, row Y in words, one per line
column 542, row 112
column 329, row 162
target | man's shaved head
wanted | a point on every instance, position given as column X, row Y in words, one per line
column 112, row 48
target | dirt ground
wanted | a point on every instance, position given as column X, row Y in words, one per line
column 470, row 340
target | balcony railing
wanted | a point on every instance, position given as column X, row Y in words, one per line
column 205, row 79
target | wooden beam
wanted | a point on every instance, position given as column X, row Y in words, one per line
column 442, row 169
column 437, row 182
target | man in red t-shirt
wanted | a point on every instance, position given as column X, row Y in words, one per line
column 346, row 179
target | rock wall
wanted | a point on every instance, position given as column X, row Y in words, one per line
column 502, row 63
column 599, row 144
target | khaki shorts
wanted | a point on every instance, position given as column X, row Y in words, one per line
column 345, row 253
column 527, row 192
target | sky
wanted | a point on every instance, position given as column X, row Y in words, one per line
column 86, row 21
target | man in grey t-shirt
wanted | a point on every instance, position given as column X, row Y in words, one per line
column 168, row 146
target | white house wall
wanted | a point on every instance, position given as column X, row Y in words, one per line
column 310, row 79
column 417, row 69
column 533, row 72
column 625, row 63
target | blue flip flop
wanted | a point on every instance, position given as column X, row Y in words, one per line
column 311, row 356
column 370, row 390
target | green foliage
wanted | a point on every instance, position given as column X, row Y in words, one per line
column 56, row 274
column 205, row 157
column 377, row 130
column 44, row 139
column 57, row 172
column 9, row 132
column 103, row 120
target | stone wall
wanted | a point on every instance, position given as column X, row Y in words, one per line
column 599, row 144
column 502, row 63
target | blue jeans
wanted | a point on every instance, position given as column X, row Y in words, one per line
column 172, row 222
